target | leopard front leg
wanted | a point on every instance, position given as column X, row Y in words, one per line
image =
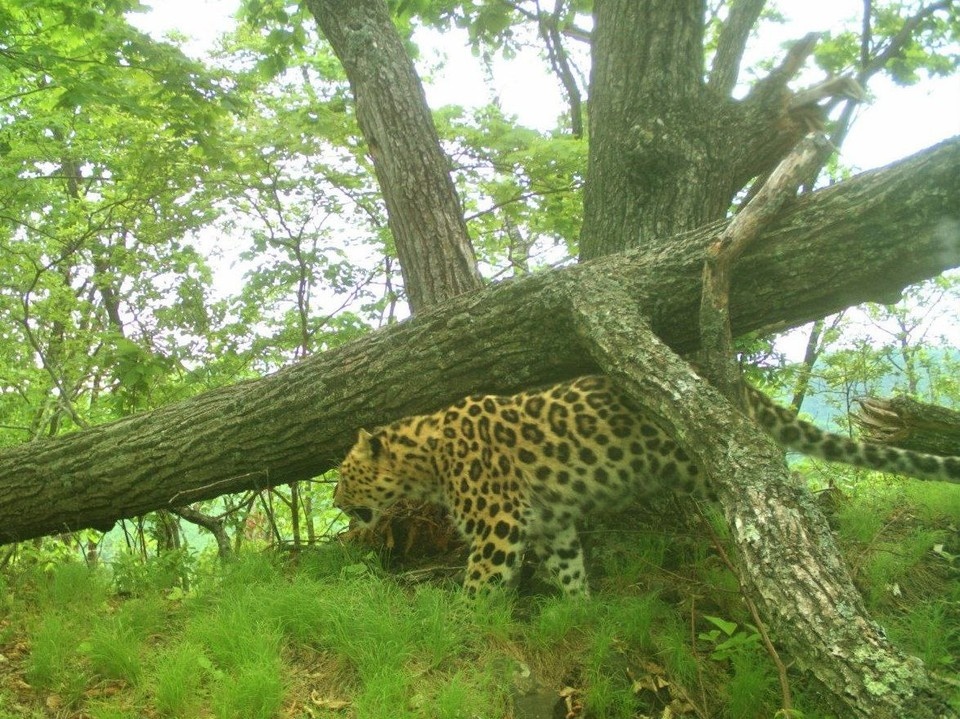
column 559, row 549
column 496, row 552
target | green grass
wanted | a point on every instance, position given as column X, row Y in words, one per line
column 52, row 651
column 252, row 690
column 556, row 621
column 107, row 711
column 71, row 584
column 610, row 697
column 891, row 528
column 753, row 683
column 269, row 637
column 178, row 674
column 931, row 631
column 113, row 652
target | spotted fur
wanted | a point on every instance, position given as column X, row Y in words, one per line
column 517, row 472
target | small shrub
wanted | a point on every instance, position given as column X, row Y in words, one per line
column 135, row 576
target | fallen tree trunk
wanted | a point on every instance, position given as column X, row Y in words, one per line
column 905, row 422
column 864, row 239
column 788, row 562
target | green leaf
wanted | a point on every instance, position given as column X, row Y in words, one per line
column 725, row 626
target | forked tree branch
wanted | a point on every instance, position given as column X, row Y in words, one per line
column 781, row 537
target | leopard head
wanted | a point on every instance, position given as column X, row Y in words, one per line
column 367, row 483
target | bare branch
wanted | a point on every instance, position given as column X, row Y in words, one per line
column 548, row 27
column 832, row 88
column 716, row 339
column 214, row 525
column 569, row 30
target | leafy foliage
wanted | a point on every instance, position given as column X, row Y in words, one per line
column 520, row 188
column 107, row 138
column 910, row 41
column 170, row 225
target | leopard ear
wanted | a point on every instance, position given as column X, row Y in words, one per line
column 370, row 445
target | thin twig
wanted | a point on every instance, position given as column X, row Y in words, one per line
column 785, row 694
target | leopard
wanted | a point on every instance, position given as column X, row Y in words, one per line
column 517, row 473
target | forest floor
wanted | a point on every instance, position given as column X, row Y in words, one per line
column 327, row 632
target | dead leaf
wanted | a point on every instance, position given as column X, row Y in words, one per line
column 653, row 680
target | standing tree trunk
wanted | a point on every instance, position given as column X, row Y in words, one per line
column 647, row 139
column 425, row 216
column 668, row 151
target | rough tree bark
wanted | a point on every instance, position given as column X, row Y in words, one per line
column 425, row 217
column 899, row 225
column 789, row 564
column 659, row 142
column 668, row 151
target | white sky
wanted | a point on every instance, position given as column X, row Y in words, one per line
column 899, row 122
